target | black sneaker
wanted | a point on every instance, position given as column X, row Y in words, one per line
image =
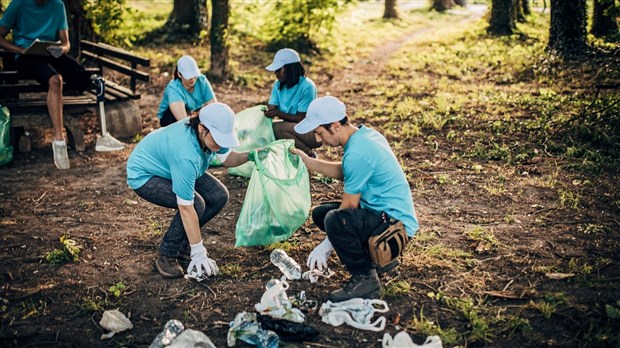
column 184, row 257
column 358, row 286
column 390, row 266
column 168, row 267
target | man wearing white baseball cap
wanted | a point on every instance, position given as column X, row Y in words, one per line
column 376, row 191
column 169, row 168
column 291, row 94
column 186, row 93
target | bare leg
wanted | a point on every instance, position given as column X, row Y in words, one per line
column 54, row 105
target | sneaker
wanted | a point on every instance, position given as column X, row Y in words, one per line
column 390, row 266
column 61, row 158
column 184, row 257
column 359, row 286
column 168, row 267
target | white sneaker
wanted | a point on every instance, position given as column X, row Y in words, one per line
column 61, row 158
column 108, row 143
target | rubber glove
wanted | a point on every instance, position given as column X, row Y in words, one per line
column 201, row 265
column 55, row 51
column 318, row 257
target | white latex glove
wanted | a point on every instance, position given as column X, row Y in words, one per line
column 201, row 265
column 318, row 257
column 55, row 51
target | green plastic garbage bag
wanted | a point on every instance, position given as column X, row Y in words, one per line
column 277, row 201
column 254, row 130
column 6, row 150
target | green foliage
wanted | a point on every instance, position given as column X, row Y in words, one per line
column 117, row 289
column 107, row 17
column 300, row 24
column 394, row 289
column 69, row 251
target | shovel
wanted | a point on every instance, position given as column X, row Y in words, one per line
column 105, row 142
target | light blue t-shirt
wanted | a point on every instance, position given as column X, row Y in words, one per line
column 295, row 99
column 30, row 21
column 175, row 92
column 171, row 153
column 370, row 168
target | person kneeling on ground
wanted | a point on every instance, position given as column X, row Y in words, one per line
column 168, row 168
column 375, row 188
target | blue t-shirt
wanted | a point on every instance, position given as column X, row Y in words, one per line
column 175, row 92
column 30, row 21
column 171, row 153
column 295, row 99
column 370, row 168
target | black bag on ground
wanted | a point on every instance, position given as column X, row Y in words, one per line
column 288, row 330
column 387, row 243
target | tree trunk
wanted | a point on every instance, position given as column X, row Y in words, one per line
column 462, row 3
column 390, row 9
column 518, row 11
column 442, row 5
column 526, row 7
column 79, row 26
column 187, row 19
column 603, row 22
column 567, row 33
column 219, row 40
column 502, row 21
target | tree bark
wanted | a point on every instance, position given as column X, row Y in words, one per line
column 462, row 3
column 442, row 5
column 187, row 19
column 518, row 11
column 390, row 9
column 502, row 20
column 567, row 33
column 526, row 7
column 603, row 22
column 219, row 40
column 79, row 26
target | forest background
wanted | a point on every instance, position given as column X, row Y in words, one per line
column 504, row 114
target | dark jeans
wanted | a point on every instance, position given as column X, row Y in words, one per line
column 167, row 118
column 210, row 196
column 41, row 68
column 348, row 231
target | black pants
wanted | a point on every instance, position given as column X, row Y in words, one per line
column 348, row 231
column 41, row 68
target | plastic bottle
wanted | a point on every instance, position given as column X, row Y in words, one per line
column 246, row 328
column 288, row 266
column 171, row 330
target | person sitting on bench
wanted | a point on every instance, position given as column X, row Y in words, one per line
column 45, row 20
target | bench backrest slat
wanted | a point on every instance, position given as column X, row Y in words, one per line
column 104, row 49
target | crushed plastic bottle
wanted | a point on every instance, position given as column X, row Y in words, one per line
column 288, row 266
column 246, row 328
column 171, row 330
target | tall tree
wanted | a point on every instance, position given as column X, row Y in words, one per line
column 502, row 20
column 526, row 7
column 518, row 11
column 187, row 19
column 219, row 39
column 80, row 27
column 567, row 33
column 604, row 18
column 390, row 9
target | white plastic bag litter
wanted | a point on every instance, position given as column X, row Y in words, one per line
column 356, row 312
column 191, row 339
column 115, row 322
column 403, row 340
column 276, row 304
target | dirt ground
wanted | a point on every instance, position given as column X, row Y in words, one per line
column 45, row 305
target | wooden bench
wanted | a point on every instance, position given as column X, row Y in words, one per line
column 27, row 99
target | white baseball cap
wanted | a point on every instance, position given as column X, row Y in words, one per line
column 283, row 57
column 220, row 120
column 188, row 68
column 324, row 110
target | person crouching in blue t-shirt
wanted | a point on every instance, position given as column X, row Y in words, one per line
column 290, row 96
column 168, row 168
column 186, row 93
column 375, row 187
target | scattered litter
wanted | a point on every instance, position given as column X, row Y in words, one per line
column 287, row 265
column 171, row 330
column 314, row 274
column 276, row 304
column 192, row 339
column 246, row 328
column 559, row 275
column 356, row 312
column 403, row 340
column 288, row 330
column 193, row 276
column 115, row 322
column 305, row 305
